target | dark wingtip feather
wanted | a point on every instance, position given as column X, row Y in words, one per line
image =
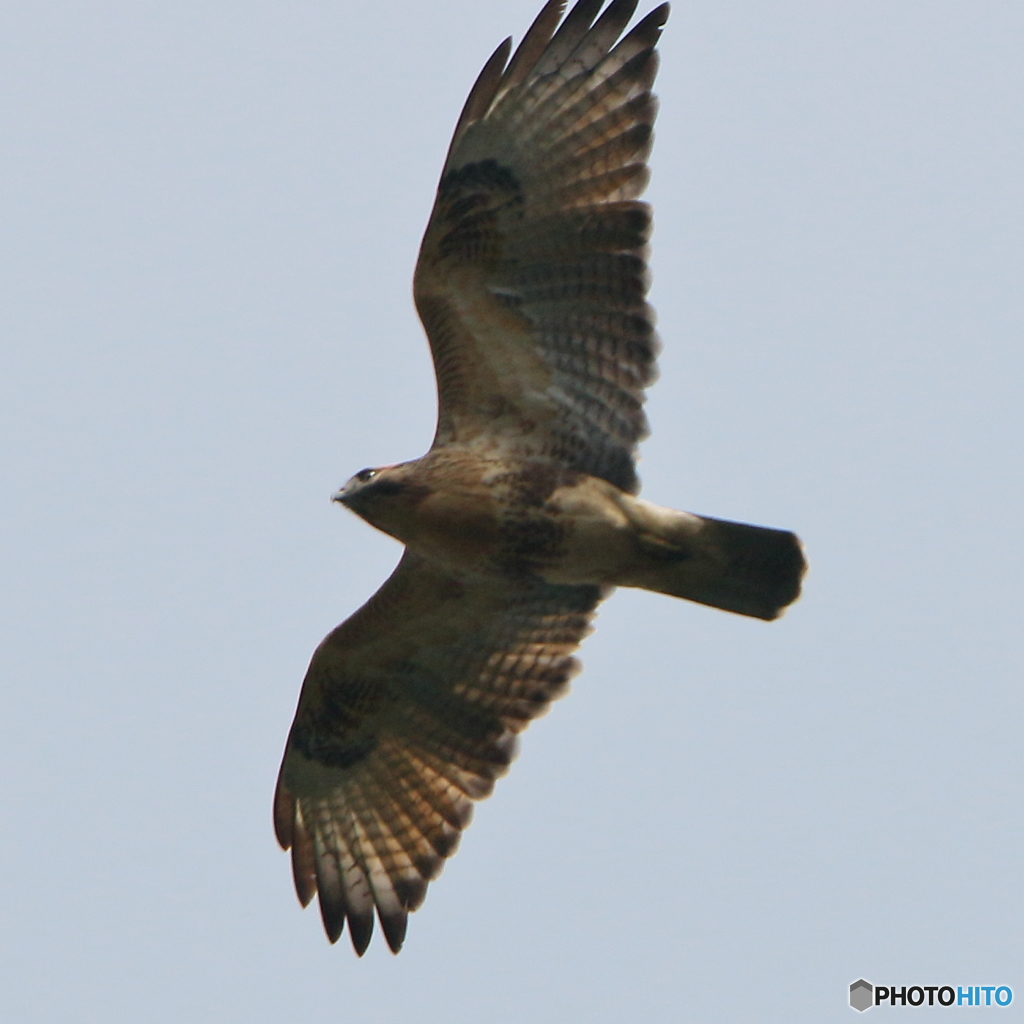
column 303, row 864
column 394, row 925
column 333, row 919
column 537, row 37
column 484, row 88
column 284, row 815
column 411, row 892
column 576, row 25
column 332, row 896
column 612, row 21
column 648, row 29
column 360, row 931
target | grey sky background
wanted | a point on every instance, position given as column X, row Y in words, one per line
column 210, row 214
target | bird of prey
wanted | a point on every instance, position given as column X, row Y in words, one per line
column 523, row 515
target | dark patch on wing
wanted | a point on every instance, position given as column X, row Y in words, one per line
column 342, row 731
column 334, row 751
column 469, row 201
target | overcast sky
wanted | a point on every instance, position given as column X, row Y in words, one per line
column 210, row 214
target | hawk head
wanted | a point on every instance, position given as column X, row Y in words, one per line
column 385, row 497
column 363, row 480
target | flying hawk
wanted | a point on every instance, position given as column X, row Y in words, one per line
column 522, row 517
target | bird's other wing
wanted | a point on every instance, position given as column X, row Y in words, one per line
column 531, row 279
column 409, row 711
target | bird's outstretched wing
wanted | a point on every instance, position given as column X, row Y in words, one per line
column 409, row 711
column 531, row 278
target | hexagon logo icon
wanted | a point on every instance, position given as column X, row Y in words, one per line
column 861, row 993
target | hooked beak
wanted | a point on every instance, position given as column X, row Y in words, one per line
column 339, row 496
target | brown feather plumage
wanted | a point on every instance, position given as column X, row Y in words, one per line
column 457, row 667
column 531, row 285
column 569, row 133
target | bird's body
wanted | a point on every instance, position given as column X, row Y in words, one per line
column 513, row 520
column 524, row 514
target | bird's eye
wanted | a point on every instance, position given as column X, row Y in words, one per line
column 365, row 475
